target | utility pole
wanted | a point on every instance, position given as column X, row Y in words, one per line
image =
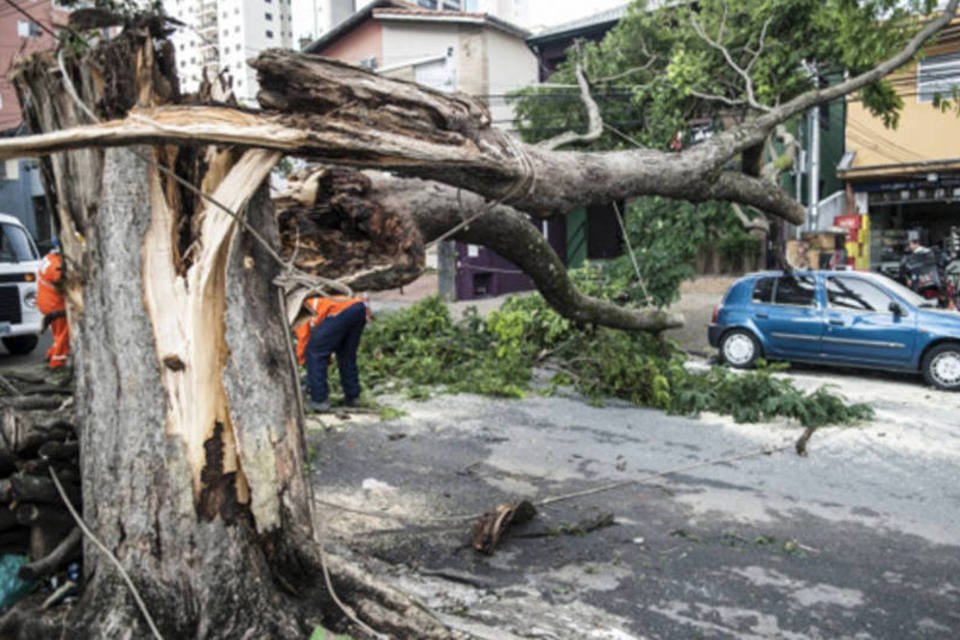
column 814, row 119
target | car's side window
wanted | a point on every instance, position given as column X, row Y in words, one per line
column 763, row 291
column 856, row 295
column 796, row 290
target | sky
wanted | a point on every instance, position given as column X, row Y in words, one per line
column 543, row 13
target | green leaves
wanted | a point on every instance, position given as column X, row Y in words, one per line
column 422, row 347
column 646, row 71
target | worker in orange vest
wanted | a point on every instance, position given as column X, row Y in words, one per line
column 335, row 326
column 50, row 304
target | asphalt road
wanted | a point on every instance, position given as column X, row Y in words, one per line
column 861, row 539
column 34, row 357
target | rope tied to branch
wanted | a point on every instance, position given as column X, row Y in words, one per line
column 520, row 189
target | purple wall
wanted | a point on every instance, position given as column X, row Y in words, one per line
column 481, row 273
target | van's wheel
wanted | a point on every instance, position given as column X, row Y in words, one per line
column 20, row 345
column 941, row 367
column 740, row 349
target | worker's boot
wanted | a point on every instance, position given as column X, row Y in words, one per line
column 317, row 407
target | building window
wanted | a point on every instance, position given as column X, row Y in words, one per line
column 938, row 76
column 27, row 29
column 269, row 33
column 268, row 17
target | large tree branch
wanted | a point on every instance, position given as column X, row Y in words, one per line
column 436, row 208
column 484, row 160
column 341, row 114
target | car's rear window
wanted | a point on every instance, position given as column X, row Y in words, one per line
column 795, row 290
column 763, row 290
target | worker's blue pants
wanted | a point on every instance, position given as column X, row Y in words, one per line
column 339, row 334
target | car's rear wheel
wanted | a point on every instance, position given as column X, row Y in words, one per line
column 941, row 367
column 739, row 348
column 20, row 345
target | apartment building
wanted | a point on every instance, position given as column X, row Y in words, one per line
column 327, row 14
column 906, row 179
column 24, row 29
column 223, row 34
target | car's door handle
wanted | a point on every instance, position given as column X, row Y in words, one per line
column 837, row 322
column 763, row 315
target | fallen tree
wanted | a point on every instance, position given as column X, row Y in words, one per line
column 191, row 450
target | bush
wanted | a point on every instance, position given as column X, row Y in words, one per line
column 423, row 347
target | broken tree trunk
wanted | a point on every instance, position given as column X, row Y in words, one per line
column 190, row 432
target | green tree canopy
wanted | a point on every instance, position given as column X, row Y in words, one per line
column 661, row 69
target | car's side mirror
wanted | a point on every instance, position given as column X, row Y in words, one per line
column 895, row 309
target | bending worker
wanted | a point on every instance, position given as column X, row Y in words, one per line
column 335, row 327
column 50, row 304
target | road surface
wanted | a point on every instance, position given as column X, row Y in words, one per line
column 861, row 539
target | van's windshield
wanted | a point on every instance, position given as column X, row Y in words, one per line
column 15, row 246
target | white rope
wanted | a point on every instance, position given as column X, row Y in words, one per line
column 96, row 541
column 525, row 183
column 633, row 256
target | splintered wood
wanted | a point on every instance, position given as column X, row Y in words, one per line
column 494, row 525
column 329, row 227
column 37, row 435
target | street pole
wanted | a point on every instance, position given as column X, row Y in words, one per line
column 814, row 166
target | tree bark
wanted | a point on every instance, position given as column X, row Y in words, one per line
column 191, row 448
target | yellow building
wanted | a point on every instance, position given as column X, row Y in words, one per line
column 908, row 178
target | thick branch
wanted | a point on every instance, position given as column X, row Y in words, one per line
column 437, row 208
column 490, row 163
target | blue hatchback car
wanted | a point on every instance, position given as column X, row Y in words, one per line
column 842, row 318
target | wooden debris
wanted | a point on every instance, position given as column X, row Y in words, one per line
column 801, row 445
column 36, row 435
column 494, row 525
column 66, row 551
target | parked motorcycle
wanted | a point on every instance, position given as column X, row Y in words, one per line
column 924, row 272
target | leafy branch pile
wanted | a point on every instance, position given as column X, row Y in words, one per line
column 422, row 347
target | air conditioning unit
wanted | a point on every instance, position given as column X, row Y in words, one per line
column 369, row 62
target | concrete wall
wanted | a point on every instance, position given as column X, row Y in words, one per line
column 366, row 41
column 12, row 45
column 924, row 132
column 19, row 184
column 472, row 67
column 510, row 66
column 410, row 41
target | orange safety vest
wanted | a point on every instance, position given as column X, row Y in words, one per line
column 49, row 301
column 322, row 308
column 49, row 274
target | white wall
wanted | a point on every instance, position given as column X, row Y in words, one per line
column 510, row 66
column 406, row 41
column 238, row 32
column 505, row 64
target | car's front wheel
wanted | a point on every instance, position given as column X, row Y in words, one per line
column 740, row 349
column 941, row 367
column 20, row 345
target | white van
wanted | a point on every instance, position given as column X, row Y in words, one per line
column 20, row 322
